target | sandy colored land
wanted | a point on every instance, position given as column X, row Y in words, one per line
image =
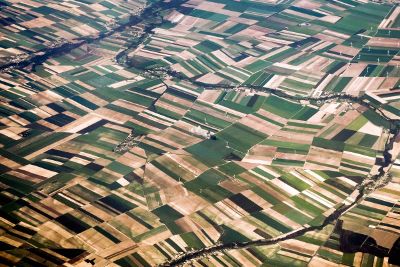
column 385, row 42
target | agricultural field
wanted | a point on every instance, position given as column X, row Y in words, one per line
column 199, row 133
column 29, row 27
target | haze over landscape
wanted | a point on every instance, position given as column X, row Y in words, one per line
column 199, row 133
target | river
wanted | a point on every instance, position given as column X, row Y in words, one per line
column 149, row 13
column 154, row 11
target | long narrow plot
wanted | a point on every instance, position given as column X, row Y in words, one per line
column 199, row 133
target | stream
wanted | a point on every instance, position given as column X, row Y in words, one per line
column 154, row 11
